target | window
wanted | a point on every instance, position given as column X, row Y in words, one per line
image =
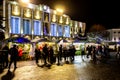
column 60, row 30
column 37, row 27
column 26, row 27
column 46, row 29
column 15, row 25
column 53, row 29
column 66, row 31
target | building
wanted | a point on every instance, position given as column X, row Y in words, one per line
column 114, row 35
column 31, row 21
column 38, row 21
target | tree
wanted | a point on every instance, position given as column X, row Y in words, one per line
column 97, row 28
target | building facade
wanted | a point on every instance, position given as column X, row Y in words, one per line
column 114, row 35
column 37, row 21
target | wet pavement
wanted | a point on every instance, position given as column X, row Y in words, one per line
column 78, row 70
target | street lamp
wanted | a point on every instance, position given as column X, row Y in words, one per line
column 59, row 10
column 25, row 1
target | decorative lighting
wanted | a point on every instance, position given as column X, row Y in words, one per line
column 59, row 10
column 25, row 1
column 61, row 19
column 45, row 7
column 54, row 18
column 55, row 12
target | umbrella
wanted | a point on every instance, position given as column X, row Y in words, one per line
column 17, row 40
column 61, row 41
column 43, row 40
column 118, row 42
column 35, row 40
column 76, row 41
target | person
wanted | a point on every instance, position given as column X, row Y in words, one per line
column 45, row 54
column 59, row 55
column 70, row 53
column 20, row 52
column 51, row 52
column 5, row 52
column 65, row 53
column 60, row 52
column 73, row 52
column 37, row 54
column 89, row 49
column 13, row 56
column 118, row 53
column 82, row 53
column 94, row 54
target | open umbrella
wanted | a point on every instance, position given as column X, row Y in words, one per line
column 17, row 40
column 43, row 40
column 117, row 42
column 76, row 41
column 62, row 41
column 35, row 40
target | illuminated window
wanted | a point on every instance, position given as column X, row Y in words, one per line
column 60, row 30
column 46, row 29
column 66, row 31
column 37, row 27
column 53, row 30
column 15, row 25
column 26, row 27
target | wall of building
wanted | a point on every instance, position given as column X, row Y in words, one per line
column 114, row 35
column 20, row 17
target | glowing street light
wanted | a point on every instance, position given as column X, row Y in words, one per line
column 25, row 1
column 59, row 10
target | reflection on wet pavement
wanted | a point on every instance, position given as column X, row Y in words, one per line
column 79, row 70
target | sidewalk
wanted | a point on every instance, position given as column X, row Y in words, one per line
column 79, row 70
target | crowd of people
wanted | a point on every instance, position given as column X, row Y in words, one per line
column 13, row 52
column 97, row 52
column 48, row 56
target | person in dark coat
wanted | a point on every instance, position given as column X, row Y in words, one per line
column 13, row 56
column 59, row 55
column 5, row 52
column 37, row 54
column 73, row 52
column 60, row 52
column 45, row 54
column 82, row 54
column 51, row 52
column 65, row 53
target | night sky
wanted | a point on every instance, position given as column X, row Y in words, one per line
column 104, row 12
